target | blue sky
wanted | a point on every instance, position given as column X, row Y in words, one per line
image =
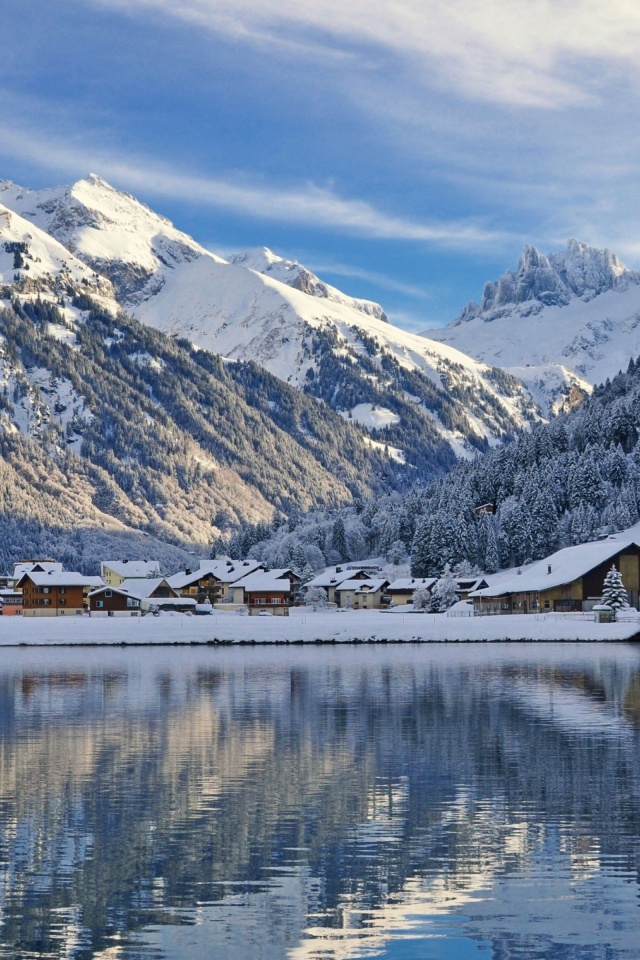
column 403, row 151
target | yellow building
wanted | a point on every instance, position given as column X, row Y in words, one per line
column 115, row 572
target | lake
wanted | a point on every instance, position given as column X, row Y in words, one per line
column 439, row 802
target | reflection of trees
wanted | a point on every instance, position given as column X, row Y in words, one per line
column 381, row 774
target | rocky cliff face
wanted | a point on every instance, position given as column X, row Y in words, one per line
column 551, row 280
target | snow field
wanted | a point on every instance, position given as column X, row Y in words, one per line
column 304, row 627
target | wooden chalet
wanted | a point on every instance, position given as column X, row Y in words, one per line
column 54, row 594
column 570, row 580
column 211, row 581
column 274, row 590
column 137, row 596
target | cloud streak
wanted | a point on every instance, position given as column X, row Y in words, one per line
column 525, row 52
column 307, row 205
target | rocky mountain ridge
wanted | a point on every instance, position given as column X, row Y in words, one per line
column 260, row 307
column 560, row 322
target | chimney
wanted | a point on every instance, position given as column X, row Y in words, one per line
column 548, row 568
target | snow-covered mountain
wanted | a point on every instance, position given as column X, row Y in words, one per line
column 558, row 322
column 265, row 261
column 274, row 312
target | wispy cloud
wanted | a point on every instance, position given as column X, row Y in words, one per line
column 310, row 205
column 380, row 280
column 527, row 52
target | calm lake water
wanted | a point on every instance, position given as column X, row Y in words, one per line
column 438, row 803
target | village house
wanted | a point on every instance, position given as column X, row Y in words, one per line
column 136, row 596
column 273, row 590
column 115, row 572
column 332, row 577
column 212, row 580
column 569, row 580
column 357, row 594
column 401, row 591
column 10, row 602
column 55, row 593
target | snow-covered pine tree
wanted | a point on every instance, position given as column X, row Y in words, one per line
column 316, row 598
column 445, row 590
column 422, row 598
column 614, row 594
column 339, row 539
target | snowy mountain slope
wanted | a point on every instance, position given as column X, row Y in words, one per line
column 35, row 260
column 567, row 319
column 265, row 261
column 328, row 345
column 159, row 436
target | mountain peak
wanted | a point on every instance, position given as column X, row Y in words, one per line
column 578, row 271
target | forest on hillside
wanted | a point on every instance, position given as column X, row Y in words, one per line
column 572, row 480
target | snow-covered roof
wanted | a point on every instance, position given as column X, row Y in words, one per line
column 270, row 581
column 331, row 577
column 226, row 571
column 363, row 586
column 470, row 583
column 131, row 568
column 560, row 568
column 137, row 587
column 57, row 578
column 26, row 566
column 412, row 583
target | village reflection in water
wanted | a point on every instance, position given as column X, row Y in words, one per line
column 441, row 801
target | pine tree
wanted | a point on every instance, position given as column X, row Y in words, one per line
column 614, row 594
column 339, row 538
column 445, row 590
column 422, row 598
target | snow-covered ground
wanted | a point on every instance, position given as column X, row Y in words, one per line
column 306, row 627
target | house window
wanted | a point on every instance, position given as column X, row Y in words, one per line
column 99, row 604
column 547, row 604
column 108, row 593
column 46, row 602
column 132, row 602
column 63, row 589
column 62, row 601
column 46, row 590
column 276, row 600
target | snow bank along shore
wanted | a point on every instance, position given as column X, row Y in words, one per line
column 305, row 627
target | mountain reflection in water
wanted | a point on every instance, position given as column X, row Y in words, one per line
column 440, row 802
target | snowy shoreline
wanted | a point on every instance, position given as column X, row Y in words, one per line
column 348, row 627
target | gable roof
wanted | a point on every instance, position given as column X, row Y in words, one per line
column 560, row 568
column 465, row 584
column 132, row 569
column 58, row 578
column 412, row 583
column 331, row 577
column 225, row 571
column 36, row 566
column 363, row 586
column 137, row 587
column 274, row 581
